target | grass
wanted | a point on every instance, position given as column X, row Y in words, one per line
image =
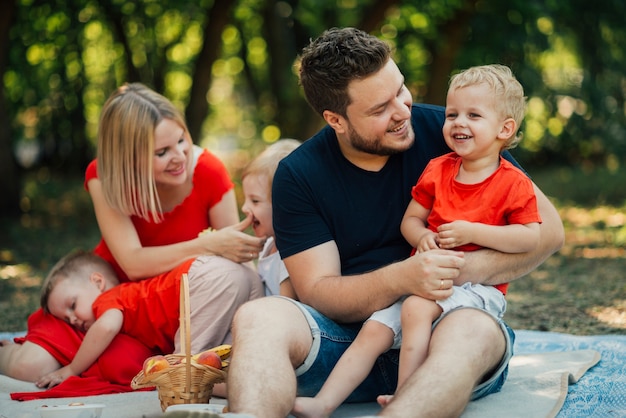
column 581, row 290
column 57, row 218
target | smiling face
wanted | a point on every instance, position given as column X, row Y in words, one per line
column 474, row 128
column 71, row 300
column 172, row 147
column 378, row 119
column 258, row 203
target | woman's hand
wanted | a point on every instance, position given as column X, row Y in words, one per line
column 232, row 243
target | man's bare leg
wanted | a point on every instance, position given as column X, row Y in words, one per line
column 27, row 361
column 271, row 338
column 465, row 346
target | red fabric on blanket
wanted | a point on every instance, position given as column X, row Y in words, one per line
column 112, row 373
column 54, row 335
column 72, row 387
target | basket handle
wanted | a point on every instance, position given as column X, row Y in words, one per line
column 185, row 328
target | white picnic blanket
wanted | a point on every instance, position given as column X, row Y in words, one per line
column 545, row 368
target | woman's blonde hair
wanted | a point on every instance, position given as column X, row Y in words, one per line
column 507, row 92
column 126, row 148
column 267, row 161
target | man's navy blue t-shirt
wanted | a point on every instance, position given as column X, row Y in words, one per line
column 320, row 196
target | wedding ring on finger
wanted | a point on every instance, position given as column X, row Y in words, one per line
column 441, row 285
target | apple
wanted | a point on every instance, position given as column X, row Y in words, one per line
column 209, row 358
column 154, row 364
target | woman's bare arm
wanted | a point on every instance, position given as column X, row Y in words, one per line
column 139, row 262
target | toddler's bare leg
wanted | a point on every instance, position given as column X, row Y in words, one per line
column 351, row 369
column 418, row 315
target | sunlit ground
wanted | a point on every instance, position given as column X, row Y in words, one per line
column 585, row 241
column 581, row 289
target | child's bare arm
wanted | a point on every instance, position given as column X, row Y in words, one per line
column 515, row 238
column 96, row 340
column 414, row 230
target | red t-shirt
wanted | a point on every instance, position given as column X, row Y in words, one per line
column 151, row 307
column 210, row 182
column 506, row 197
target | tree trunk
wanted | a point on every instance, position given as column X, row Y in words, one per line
column 198, row 107
column 9, row 175
column 453, row 34
column 375, row 14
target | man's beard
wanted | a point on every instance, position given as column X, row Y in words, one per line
column 374, row 146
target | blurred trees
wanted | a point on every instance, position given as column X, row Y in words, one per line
column 9, row 181
column 230, row 65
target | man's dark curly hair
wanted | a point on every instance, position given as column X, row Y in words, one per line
column 329, row 63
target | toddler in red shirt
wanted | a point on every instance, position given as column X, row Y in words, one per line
column 83, row 290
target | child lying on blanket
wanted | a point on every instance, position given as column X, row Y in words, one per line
column 83, row 290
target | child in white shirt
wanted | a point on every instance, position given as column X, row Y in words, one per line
column 256, row 181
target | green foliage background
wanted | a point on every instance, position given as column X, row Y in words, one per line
column 230, row 64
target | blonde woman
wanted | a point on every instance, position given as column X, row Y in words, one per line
column 154, row 193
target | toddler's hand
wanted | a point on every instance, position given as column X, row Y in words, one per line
column 428, row 242
column 54, row 378
column 455, row 234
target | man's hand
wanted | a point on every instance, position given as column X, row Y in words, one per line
column 432, row 273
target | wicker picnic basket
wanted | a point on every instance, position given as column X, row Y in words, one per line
column 184, row 381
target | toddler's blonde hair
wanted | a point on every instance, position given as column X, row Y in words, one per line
column 267, row 161
column 77, row 265
column 507, row 91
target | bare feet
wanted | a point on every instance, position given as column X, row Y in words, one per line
column 383, row 400
column 310, row 408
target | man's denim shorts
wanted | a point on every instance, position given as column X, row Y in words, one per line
column 330, row 340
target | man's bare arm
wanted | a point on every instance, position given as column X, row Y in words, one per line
column 493, row 267
column 316, row 278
